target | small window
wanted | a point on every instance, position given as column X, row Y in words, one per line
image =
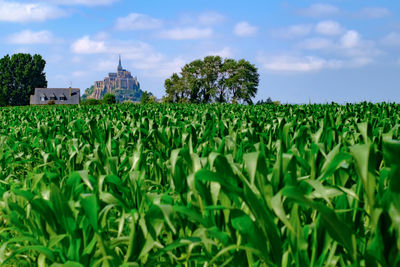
column 63, row 98
column 43, row 97
column 53, row 97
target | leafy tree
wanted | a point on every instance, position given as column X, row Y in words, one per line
column 20, row 74
column 243, row 81
column 266, row 102
column 174, row 88
column 90, row 101
column 210, row 73
column 108, row 99
column 147, row 98
column 213, row 80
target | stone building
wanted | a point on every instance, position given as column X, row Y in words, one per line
column 122, row 84
column 69, row 96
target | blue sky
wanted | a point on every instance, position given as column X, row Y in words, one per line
column 306, row 51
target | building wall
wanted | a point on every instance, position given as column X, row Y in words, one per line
column 122, row 80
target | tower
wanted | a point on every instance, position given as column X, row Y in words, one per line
column 119, row 65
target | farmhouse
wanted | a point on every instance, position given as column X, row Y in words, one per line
column 67, row 96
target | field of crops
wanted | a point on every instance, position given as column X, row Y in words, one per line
column 200, row 185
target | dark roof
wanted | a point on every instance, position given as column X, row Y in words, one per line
column 74, row 98
column 57, row 91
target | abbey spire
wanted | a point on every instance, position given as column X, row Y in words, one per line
column 121, row 83
column 119, row 65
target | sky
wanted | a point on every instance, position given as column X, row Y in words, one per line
column 305, row 51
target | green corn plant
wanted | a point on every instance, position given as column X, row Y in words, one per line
column 200, row 185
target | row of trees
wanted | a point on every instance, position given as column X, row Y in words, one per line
column 20, row 74
column 213, row 79
column 107, row 99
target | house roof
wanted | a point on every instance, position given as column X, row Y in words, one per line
column 57, row 91
column 59, row 95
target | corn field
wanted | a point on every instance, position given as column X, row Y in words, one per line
column 200, row 185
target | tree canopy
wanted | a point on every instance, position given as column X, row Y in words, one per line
column 109, row 99
column 20, row 74
column 213, row 79
column 147, row 98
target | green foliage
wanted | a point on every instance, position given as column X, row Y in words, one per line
column 266, row 102
column 213, row 80
column 122, row 95
column 200, row 185
column 147, row 98
column 108, row 99
column 88, row 92
column 90, row 101
column 20, row 74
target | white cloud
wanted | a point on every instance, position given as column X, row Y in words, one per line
column 105, row 65
column 340, row 48
column 27, row 12
column 317, row 44
column 305, row 64
column 328, row 27
column 375, row 12
column 299, row 64
column 190, row 33
column 203, row 19
column 210, row 18
column 244, row 29
column 30, row 37
column 86, row 46
column 392, row 39
column 361, row 51
column 137, row 55
column 162, row 67
column 361, row 61
column 153, row 65
column 350, row 39
column 350, row 45
column 226, row 52
column 136, row 21
column 293, row 31
column 101, row 35
column 76, row 59
column 79, row 73
column 83, row 2
column 319, row 10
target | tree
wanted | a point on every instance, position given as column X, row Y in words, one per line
column 242, row 81
column 174, row 88
column 90, row 101
column 20, row 74
column 213, row 80
column 108, row 99
column 147, row 98
column 266, row 102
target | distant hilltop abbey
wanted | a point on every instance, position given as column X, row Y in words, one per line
column 122, row 84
